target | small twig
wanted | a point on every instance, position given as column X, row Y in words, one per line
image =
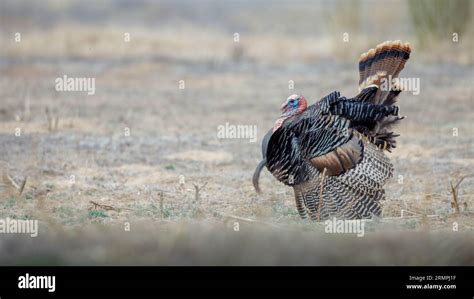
column 110, row 208
column 460, row 181
column 197, row 189
column 454, row 203
column 104, row 207
column 9, row 179
column 22, row 187
column 402, row 213
column 454, row 193
column 408, row 217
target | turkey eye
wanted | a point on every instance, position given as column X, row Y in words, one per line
column 292, row 102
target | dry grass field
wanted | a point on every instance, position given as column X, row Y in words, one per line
column 135, row 174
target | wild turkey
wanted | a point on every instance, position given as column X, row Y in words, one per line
column 333, row 152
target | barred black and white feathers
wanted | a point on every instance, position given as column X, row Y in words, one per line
column 333, row 152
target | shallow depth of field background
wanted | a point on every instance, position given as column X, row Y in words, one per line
column 179, row 188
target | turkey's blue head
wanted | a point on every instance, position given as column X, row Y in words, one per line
column 294, row 105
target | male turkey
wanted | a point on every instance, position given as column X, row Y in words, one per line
column 333, row 152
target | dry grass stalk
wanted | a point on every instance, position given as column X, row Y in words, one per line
column 96, row 206
column 22, row 186
column 8, row 181
column 455, row 193
column 162, row 199
column 12, row 186
column 197, row 189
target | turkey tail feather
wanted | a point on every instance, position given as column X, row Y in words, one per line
column 384, row 62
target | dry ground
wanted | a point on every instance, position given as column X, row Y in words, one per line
column 149, row 180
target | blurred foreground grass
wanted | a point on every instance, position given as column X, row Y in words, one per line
column 206, row 243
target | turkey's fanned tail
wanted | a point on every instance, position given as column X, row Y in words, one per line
column 383, row 64
column 378, row 84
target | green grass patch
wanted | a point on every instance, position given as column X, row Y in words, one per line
column 97, row 214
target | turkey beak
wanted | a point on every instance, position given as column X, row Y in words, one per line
column 284, row 107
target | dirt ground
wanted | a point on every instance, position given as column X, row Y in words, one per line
column 136, row 173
